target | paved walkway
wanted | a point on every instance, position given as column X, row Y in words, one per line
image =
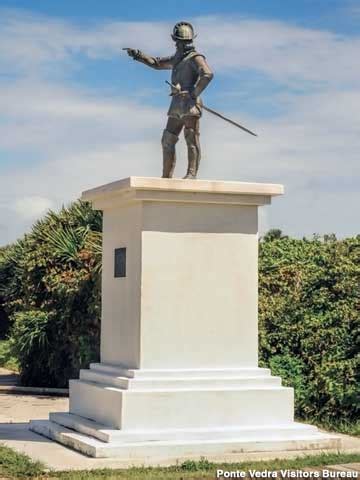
column 10, row 383
column 8, row 378
column 347, row 468
column 17, row 410
column 23, row 408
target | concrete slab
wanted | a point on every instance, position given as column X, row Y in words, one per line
column 58, row 457
column 23, row 408
column 17, row 410
column 355, row 467
column 345, row 467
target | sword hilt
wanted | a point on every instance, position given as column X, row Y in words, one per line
column 177, row 91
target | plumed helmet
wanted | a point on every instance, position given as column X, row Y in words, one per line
column 183, row 31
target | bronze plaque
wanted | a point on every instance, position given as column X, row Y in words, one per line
column 120, row 262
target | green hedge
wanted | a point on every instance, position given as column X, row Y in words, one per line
column 50, row 289
column 309, row 300
column 309, row 304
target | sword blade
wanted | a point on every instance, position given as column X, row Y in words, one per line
column 217, row 114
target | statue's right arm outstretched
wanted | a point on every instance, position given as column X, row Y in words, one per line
column 159, row 63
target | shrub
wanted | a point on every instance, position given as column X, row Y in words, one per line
column 7, row 358
column 30, row 342
column 50, row 285
column 310, row 323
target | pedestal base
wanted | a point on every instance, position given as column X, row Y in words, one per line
column 168, row 415
column 215, row 446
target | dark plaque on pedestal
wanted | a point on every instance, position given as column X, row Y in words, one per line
column 120, row 262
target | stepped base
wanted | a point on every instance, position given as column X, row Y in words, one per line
column 180, row 398
column 152, row 448
column 160, row 416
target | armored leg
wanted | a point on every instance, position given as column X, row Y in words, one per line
column 168, row 142
column 192, row 137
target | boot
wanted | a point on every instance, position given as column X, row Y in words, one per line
column 191, row 171
column 169, row 161
column 193, row 144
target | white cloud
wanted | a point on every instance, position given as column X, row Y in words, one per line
column 54, row 119
column 33, row 44
column 285, row 52
column 82, row 138
column 32, row 207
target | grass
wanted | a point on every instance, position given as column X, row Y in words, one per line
column 6, row 359
column 17, row 466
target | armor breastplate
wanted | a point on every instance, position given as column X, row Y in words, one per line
column 183, row 72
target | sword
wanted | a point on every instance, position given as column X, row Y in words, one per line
column 217, row 114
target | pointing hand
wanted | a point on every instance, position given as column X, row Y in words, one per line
column 132, row 52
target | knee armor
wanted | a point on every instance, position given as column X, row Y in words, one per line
column 168, row 142
column 191, row 137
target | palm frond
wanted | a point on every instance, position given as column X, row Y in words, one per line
column 66, row 242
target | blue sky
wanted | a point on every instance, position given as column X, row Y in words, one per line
column 76, row 112
column 328, row 14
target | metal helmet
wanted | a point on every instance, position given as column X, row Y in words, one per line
column 183, row 31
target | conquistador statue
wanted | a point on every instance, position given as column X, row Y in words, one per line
column 190, row 76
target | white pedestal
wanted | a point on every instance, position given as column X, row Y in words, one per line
column 178, row 376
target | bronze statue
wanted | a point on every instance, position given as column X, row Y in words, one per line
column 190, row 76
